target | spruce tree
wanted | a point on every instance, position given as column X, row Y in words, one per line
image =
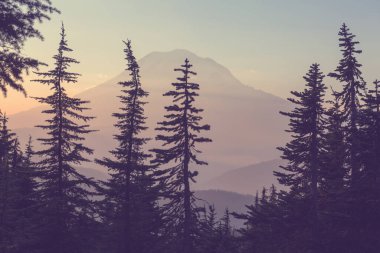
column 303, row 152
column 334, row 178
column 7, row 189
column 18, row 20
column 265, row 230
column 208, row 239
column 333, row 173
column 225, row 235
column 180, row 134
column 370, row 124
column 131, row 194
column 349, row 74
column 27, row 198
column 368, row 215
column 65, row 193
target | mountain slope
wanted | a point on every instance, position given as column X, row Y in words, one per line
column 245, row 180
column 246, row 125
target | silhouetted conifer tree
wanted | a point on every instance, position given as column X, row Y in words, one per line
column 180, row 136
column 7, row 189
column 65, row 193
column 265, row 229
column 225, row 235
column 216, row 236
column 303, row 152
column 18, row 20
column 368, row 197
column 131, row 194
column 208, row 241
column 349, row 74
column 333, row 173
column 26, row 199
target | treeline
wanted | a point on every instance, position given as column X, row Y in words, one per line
column 330, row 172
column 331, row 168
column 146, row 205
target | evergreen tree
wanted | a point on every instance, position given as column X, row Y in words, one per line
column 265, row 229
column 131, row 194
column 216, row 236
column 370, row 123
column 64, row 192
column 180, row 136
column 7, row 190
column 349, row 74
column 208, row 241
column 303, row 152
column 18, row 19
column 333, row 173
column 26, row 199
column 368, row 197
column 225, row 233
column 333, row 179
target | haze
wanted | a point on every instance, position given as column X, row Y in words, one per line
column 266, row 44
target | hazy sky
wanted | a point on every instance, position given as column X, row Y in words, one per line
column 268, row 44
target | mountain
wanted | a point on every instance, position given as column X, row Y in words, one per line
column 245, row 180
column 245, row 124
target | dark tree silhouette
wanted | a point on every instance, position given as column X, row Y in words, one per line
column 301, row 173
column 7, row 189
column 333, row 171
column 65, row 193
column 368, row 198
column 131, row 194
column 268, row 223
column 216, row 236
column 370, row 123
column 17, row 24
column 349, row 74
column 180, row 136
column 26, row 199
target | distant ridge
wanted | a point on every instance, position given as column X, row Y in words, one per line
column 246, row 180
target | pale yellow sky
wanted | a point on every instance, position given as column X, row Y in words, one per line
column 266, row 44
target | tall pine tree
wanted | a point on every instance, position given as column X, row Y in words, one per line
column 131, row 194
column 349, row 74
column 65, row 193
column 303, row 152
column 8, row 192
column 18, row 20
column 180, row 134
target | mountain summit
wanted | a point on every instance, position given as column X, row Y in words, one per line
column 245, row 124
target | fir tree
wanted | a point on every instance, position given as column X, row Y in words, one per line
column 349, row 74
column 208, row 241
column 264, row 229
column 370, row 123
column 303, row 152
column 367, row 201
column 18, row 20
column 180, row 137
column 131, row 194
column 7, row 190
column 333, row 171
column 65, row 193
column 225, row 235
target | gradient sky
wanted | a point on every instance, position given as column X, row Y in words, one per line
column 268, row 44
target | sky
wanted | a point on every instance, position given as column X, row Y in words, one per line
column 267, row 44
